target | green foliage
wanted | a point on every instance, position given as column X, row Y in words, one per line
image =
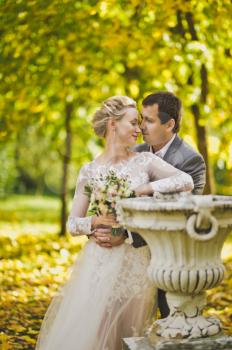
column 8, row 173
column 81, row 52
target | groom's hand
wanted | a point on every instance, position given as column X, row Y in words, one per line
column 104, row 238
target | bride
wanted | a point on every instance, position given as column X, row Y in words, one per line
column 108, row 295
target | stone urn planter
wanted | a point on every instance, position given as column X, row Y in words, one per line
column 185, row 234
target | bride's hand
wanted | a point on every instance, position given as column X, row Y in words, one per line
column 107, row 220
column 143, row 190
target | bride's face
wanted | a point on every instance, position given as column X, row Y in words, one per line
column 127, row 129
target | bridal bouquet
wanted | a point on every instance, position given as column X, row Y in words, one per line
column 105, row 191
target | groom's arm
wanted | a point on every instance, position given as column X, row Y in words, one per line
column 196, row 168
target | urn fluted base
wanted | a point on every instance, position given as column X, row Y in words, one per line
column 185, row 319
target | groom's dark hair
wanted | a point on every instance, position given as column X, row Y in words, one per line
column 169, row 107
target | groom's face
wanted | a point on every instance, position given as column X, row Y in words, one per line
column 154, row 133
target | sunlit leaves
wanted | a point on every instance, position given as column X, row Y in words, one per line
column 220, row 300
column 31, row 270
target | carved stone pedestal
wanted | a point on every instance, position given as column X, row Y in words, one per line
column 219, row 342
column 185, row 319
column 185, row 234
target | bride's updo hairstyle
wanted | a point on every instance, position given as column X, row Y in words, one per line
column 114, row 107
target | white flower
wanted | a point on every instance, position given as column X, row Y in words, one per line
column 111, row 192
column 103, row 209
column 100, row 196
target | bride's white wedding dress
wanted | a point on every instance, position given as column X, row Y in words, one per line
column 108, row 295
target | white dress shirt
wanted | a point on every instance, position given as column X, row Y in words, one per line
column 161, row 153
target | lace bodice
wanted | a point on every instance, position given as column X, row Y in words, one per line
column 141, row 168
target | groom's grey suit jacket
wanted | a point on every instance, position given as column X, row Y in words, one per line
column 183, row 157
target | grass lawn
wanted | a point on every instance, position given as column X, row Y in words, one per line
column 30, row 208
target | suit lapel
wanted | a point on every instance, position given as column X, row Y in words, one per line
column 146, row 148
column 172, row 148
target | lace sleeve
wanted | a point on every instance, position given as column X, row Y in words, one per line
column 77, row 223
column 166, row 178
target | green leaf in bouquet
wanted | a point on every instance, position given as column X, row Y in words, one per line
column 88, row 189
column 117, row 231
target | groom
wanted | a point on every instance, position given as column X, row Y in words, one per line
column 161, row 116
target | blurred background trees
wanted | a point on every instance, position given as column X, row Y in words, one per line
column 60, row 59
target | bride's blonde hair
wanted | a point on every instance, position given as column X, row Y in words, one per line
column 114, row 107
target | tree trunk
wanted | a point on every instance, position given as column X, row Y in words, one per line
column 66, row 159
column 200, row 129
column 202, row 145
